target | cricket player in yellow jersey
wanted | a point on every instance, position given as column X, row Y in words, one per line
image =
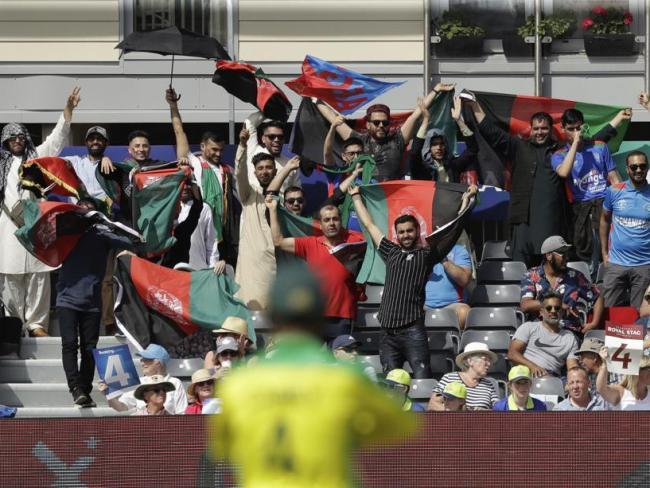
column 293, row 419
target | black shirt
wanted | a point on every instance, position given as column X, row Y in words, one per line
column 387, row 154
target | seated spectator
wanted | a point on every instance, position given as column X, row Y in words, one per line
column 519, row 382
column 200, row 391
column 625, row 235
column 454, row 396
column 399, row 383
column 447, row 282
column 346, row 348
column 589, row 358
column 153, row 361
column 632, row 393
column 229, row 351
column 543, row 346
column 474, row 362
column 153, row 393
column 576, row 291
column 580, row 396
column 234, row 327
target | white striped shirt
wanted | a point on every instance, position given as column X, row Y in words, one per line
column 402, row 302
column 480, row 397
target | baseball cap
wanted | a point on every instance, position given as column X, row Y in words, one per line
column 555, row 244
column 455, row 390
column 227, row 344
column 398, row 377
column 96, row 129
column 377, row 107
column 154, row 351
column 591, row 344
column 296, row 297
column 344, row 341
column 519, row 372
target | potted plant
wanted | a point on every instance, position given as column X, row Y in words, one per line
column 557, row 26
column 607, row 32
column 458, row 37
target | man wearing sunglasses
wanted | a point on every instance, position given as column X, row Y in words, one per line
column 577, row 292
column 588, row 168
column 626, row 250
column 544, row 347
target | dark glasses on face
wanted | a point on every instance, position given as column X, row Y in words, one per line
column 553, row 308
column 298, row 201
column 158, row 391
column 637, row 167
column 377, row 123
column 274, row 137
column 573, row 129
column 352, row 154
column 205, row 383
column 19, row 137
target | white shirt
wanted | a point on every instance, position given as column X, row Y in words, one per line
column 85, row 169
column 14, row 258
column 629, row 402
column 176, row 401
column 204, row 252
column 197, row 168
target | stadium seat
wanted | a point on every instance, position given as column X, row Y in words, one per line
column 582, row 267
column 441, row 364
column 183, row 368
column 373, row 294
column 441, row 318
column 260, row 321
column 496, row 340
column 494, row 272
column 496, row 251
column 262, row 340
column 547, row 386
column 495, row 318
column 496, row 296
column 499, row 386
column 421, row 389
column 369, row 341
column 621, row 315
column 443, row 341
column 372, row 360
column 368, row 319
column 499, row 370
column 596, row 334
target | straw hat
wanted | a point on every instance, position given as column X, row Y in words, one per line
column 233, row 325
column 199, row 376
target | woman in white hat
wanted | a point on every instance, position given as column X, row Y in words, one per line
column 200, row 391
column 153, row 392
column 474, row 362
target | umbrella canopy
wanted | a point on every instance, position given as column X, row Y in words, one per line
column 174, row 40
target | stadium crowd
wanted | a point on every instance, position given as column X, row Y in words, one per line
column 230, row 217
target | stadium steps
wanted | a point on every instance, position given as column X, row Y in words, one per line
column 50, row 347
column 50, row 395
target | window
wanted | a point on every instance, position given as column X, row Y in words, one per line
column 207, row 17
column 497, row 17
column 582, row 8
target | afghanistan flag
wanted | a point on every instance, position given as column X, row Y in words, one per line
column 434, row 205
column 251, row 85
column 51, row 175
column 163, row 306
column 51, row 230
column 342, row 89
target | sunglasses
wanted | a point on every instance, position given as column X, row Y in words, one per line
column 353, row 154
column 377, row 123
column 274, row 137
column 637, row 167
column 350, row 349
column 292, row 201
column 553, row 308
column 572, row 129
column 158, row 391
column 19, row 137
column 205, row 383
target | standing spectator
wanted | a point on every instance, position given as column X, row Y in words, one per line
column 153, row 361
column 632, row 393
column 446, row 284
column 79, row 301
column 519, row 382
column 385, row 147
column 474, row 363
column 543, row 346
column 399, row 382
column 200, row 391
column 256, row 261
column 581, row 397
column 454, row 396
column 626, row 250
column 577, row 292
column 267, row 137
column 140, row 149
column 538, row 206
column 215, row 179
column 587, row 167
column 338, row 282
column 352, row 147
column 401, row 312
column 24, row 280
column 153, row 392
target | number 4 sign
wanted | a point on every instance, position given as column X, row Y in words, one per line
column 625, row 347
column 115, row 366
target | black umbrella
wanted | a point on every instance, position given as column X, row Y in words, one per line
column 173, row 40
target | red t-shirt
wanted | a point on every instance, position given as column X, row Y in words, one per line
column 337, row 283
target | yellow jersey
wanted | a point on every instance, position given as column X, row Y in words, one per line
column 293, row 420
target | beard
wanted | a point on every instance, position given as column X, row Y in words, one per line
column 96, row 152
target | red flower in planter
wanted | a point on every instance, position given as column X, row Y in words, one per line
column 599, row 10
column 627, row 18
column 587, row 24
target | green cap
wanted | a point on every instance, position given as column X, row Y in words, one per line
column 296, row 297
column 399, row 376
column 519, row 372
column 455, row 390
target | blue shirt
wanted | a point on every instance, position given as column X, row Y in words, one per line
column 502, row 405
column 629, row 236
column 590, row 169
column 440, row 291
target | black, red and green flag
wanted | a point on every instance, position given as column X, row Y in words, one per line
column 163, row 306
column 251, row 85
column 51, row 230
column 51, row 175
column 434, row 205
